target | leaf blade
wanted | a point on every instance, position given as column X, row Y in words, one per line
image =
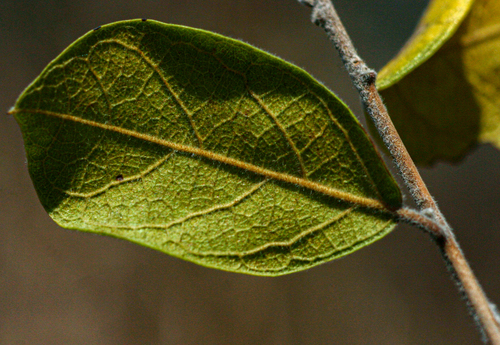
column 440, row 21
column 221, row 170
column 450, row 103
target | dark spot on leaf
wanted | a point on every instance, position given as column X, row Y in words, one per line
column 143, row 19
column 119, row 178
column 97, row 28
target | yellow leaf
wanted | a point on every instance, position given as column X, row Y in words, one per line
column 438, row 24
column 445, row 105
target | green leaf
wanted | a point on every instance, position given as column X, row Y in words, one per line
column 451, row 102
column 204, row 148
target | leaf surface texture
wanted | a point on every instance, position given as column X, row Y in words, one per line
column 204, row 148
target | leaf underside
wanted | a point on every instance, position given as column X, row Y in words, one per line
column 204, row 148
column 451, row 102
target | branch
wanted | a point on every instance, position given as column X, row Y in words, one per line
column 483, row 311
column 430, row 218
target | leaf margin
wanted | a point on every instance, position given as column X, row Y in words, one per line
column 296, row 69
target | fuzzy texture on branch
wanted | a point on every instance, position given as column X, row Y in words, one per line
column 363, row 78
column 429, row 217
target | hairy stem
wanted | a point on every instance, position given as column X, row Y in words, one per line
column 430, row 218
column 482, row 310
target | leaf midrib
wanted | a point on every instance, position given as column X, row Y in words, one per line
column 302, row 182
column 261, row 104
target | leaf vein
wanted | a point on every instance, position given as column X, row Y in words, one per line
column 282, row 129
column 326, row 190
column 287, row 243
column 125, row 180
column 181, row 220
column 165, row 82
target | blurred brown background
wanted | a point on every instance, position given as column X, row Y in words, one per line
column 63, row 287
